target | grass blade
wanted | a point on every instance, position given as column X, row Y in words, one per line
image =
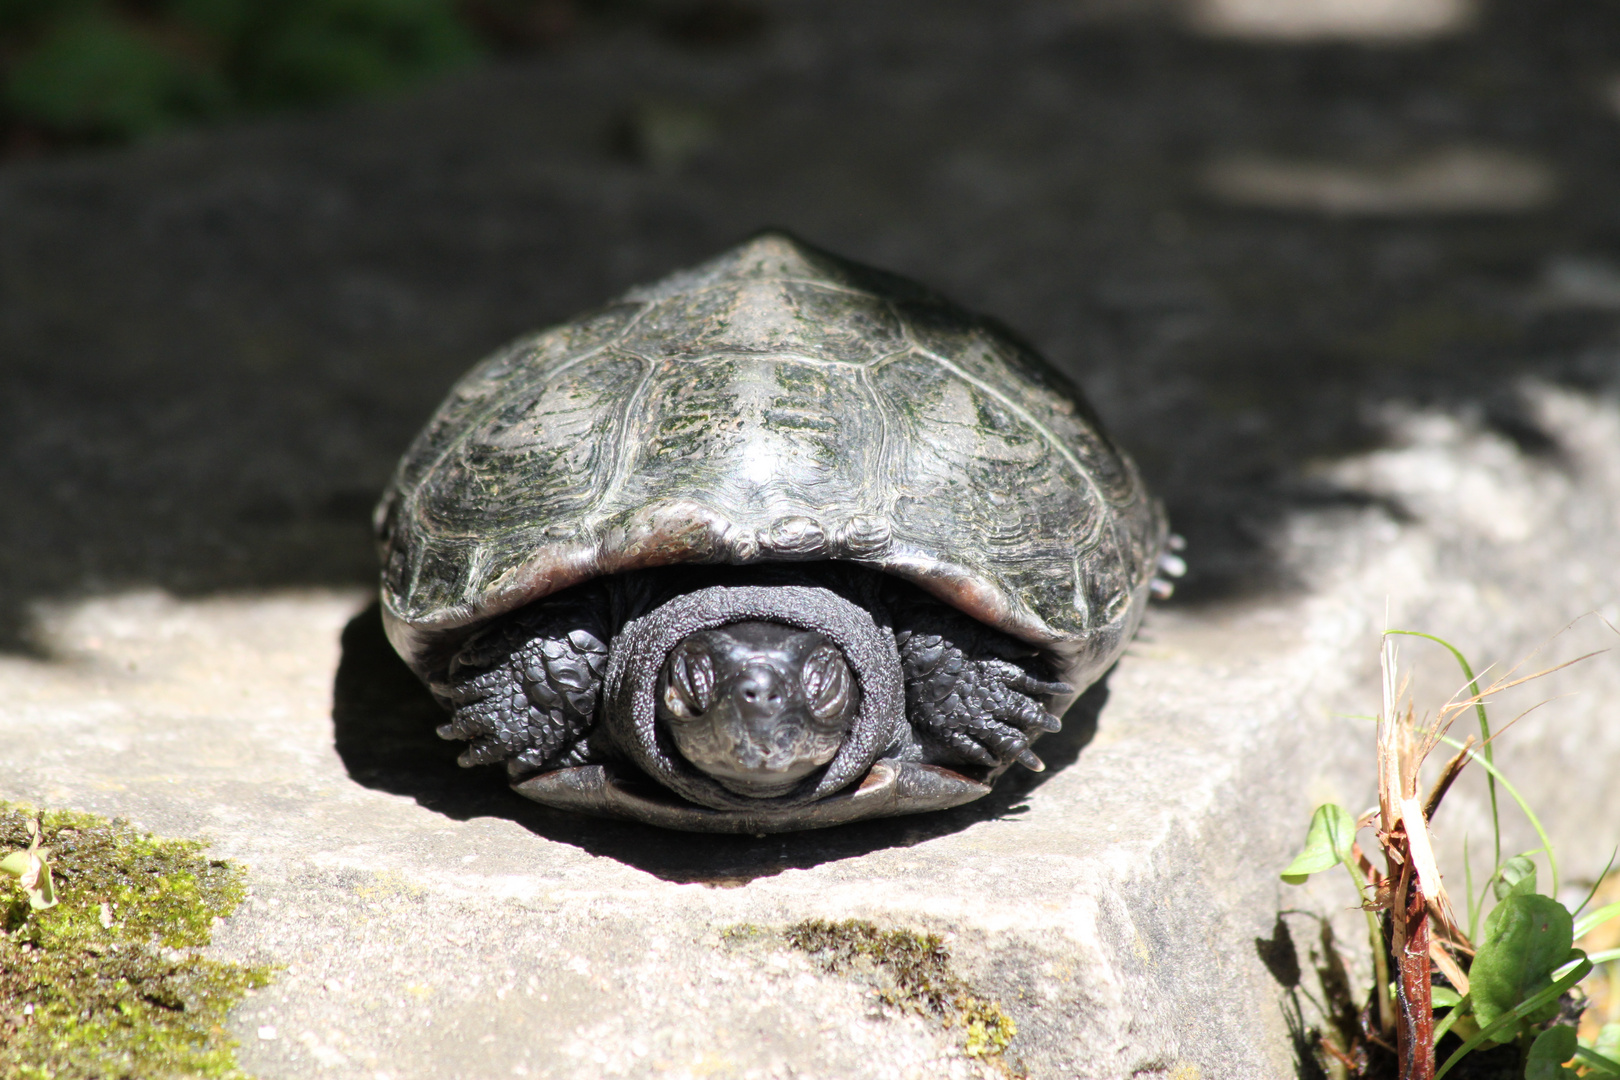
column 1535, row 822
column 1468, row 887
column 1587, row 923
column 1597, row 884
column 1604, row 1066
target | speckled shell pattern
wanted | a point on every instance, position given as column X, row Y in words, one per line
column 775, row 404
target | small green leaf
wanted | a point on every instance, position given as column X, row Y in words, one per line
column 1517, row 875
column 1327, row 843
column 1444, row 997
column 32, row 869
column 1527, row 937
column 42, row 893
column 1548, row 1053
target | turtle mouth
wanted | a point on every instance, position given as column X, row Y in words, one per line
column 744, row 759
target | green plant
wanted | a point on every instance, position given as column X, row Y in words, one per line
column 96, row 70
column 1505, row 985
column 93, row 74
column 106, row 981
column 87, row 71
column 32, row 869
column 304, row 52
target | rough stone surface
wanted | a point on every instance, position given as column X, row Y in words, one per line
column 217, row 346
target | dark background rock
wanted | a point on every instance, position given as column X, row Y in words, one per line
column 216, row 346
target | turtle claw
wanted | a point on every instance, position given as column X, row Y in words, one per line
column 1025, row 683
column 1171, row 566
column 1046, row 722
column 1029, row 761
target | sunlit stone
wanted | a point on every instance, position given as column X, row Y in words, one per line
column 1448, row 180
column 1316, row 20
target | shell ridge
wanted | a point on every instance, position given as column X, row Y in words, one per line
column 885, row 454
column 885, row 457
column 781, row 356
column 829, row 286
column 622, row 451
column 1018, row 410
column 888, row 358
column 642, row 294
column 478, row 419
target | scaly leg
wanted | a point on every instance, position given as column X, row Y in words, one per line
column 972, row 689
column 526, row 689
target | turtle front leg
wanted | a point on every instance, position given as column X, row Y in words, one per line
column 526, row 690
column 973, row 690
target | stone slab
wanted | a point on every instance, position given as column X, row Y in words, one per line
column 434, row 924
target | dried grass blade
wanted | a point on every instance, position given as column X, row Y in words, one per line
column 1448, row 775
column 1448, row 966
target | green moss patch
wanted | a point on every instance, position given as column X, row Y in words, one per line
column 107, row 985
column 913, row 972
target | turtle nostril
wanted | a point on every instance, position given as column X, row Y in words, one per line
column 759, row 693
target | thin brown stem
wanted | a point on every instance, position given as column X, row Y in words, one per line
column 1348, row 1061
column 1453, row 769
column 1413, row 990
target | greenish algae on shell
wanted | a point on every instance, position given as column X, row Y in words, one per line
column 774, row 404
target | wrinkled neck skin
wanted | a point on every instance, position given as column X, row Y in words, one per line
column 744, row 687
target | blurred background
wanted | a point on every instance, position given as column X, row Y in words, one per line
column 246, row 245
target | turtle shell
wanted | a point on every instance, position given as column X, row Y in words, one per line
column 775, row 404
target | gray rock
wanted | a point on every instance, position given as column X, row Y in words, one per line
column 217, row 346
column 1453, row 180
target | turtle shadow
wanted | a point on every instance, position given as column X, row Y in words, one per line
column 383, row 721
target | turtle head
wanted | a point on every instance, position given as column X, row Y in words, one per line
column 757, row 705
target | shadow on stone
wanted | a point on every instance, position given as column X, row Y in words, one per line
column 383, row 721
column 1279, row 955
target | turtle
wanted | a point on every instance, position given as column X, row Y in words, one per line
column 777, row 542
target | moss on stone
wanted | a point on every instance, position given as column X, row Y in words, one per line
column 914, row 974
column 108, row 984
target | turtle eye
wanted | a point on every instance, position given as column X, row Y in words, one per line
column 828, row 685
column 688, row 682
